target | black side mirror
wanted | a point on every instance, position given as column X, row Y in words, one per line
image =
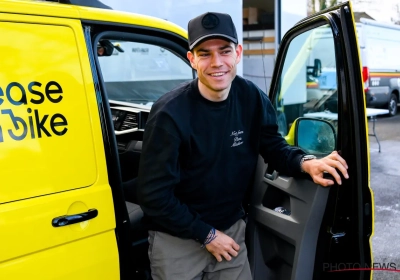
column 315, row 136
column 317, row 69
column 105, row 48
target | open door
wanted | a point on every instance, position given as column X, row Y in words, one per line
column 297, row 229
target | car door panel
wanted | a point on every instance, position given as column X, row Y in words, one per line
column 286, row 241
column 52, row 155
column 317, row 78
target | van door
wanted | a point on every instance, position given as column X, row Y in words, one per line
column 297, row 229
column 56, row 208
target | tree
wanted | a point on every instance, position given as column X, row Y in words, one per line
column 315, row 6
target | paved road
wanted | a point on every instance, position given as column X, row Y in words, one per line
column 385, row 182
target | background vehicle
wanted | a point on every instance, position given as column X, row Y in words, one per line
column 71, row 129
column 379, row 45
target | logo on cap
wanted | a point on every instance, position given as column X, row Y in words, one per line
column 210, row 21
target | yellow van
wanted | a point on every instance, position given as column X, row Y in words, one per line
column 76, row 87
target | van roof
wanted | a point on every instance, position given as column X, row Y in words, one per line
column 55, row 9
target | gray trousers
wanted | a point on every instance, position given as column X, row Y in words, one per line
column 174, row 258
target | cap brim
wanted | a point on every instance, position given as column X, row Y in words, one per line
column 233, row 40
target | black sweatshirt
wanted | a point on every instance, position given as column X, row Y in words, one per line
column 199, row 157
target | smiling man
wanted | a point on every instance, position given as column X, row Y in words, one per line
column 200, row 151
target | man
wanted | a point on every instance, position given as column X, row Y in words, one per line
column 200, row 150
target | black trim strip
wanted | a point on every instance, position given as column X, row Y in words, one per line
column 113, row 168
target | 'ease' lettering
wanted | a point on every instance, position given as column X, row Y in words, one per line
column 35, row 122
column 53, row 92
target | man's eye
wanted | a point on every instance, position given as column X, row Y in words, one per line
column 203, row 54
column 226, row 52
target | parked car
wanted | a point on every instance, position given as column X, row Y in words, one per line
column 71, row 129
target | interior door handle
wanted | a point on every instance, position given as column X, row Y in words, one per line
column 73, row 219
column 272, row 176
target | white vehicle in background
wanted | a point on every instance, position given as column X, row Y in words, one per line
column 379, row 45
column 379, row 49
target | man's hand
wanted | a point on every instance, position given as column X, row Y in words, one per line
column 317, row 167
column 223, row 246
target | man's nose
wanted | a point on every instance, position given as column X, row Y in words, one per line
column 216, row 60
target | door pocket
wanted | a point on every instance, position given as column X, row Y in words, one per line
column 277, row 252
column 277, row 200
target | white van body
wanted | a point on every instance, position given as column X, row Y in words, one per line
column 379, row 48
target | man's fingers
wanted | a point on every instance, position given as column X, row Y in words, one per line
column 227, row 256
column 337, row 164
column 331, row 170
column 236, row 246
column 233, row 253
column 333, row 164
column 325, row 182
column 223, row 247
column 342, row 161
column 335, row 156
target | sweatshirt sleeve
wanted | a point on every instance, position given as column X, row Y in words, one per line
column 273, row 147
column 159, row 173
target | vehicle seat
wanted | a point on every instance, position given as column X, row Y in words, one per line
column 129, row 164
column 139, row 242
column 138, row 231
column 129, row 161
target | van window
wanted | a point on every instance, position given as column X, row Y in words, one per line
column 310, row 61
column 140, row 72
column 46, row 143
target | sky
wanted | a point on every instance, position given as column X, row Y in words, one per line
column 380, row 10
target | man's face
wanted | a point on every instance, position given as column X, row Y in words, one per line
column 215, row 61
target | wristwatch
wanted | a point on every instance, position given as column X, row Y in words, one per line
column 305, row 158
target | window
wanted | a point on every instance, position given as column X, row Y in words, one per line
column 140, row 72
column 307, row 84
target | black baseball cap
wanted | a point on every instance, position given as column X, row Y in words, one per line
column 211, row 25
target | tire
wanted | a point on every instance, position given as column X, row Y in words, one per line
column 392, row 105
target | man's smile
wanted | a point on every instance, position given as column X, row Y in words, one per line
column 218, row 74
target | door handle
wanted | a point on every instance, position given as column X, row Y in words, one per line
column 272, row 176
column 73, row 219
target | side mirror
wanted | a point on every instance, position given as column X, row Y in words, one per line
column 105, row 48
column 315, row 136
column 317, row 67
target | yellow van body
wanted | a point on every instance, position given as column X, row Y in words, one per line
column 51, row 147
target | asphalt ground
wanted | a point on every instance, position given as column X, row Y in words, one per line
column 385, row 183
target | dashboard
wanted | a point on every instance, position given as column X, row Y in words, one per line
column 129, row 125
column 127, row 119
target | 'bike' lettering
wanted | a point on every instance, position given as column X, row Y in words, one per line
column 36, row 125
column 57, row 124
column 15, row 121
column 40, row 124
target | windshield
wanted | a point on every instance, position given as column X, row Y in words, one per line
column 140, row 73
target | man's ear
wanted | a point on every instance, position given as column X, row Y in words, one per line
column 190, row 56
column 238, row 50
